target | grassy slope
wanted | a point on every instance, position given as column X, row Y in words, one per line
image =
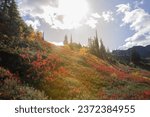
column 88, row 77
column 91, row 78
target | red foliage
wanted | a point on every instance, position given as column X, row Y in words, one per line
column 62, row 71
column 145, row 73
column 120, row 73
column 4, row 74
column 146, row 94
column 47, row 67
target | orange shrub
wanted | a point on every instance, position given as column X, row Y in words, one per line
column 45, row 67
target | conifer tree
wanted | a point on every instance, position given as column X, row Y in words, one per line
column 15, row 20
column 96, row 48
column 4, row 16
column 11, row 23
column 135, row 57
column 71, row 40
column 102, row 50
column 66, row 40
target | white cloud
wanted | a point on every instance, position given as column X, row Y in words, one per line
column 138, row 21
column 122, row 8
column 61, row 14
column 96, row 15
column 92, row 22
column 37, row 9
column 34, row 23
column 107, row 16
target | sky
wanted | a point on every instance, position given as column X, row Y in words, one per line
column 121, row 24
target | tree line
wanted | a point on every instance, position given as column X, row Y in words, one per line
column 71, row 44
column 96, row 47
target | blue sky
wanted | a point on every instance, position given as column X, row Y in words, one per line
column 120, row 23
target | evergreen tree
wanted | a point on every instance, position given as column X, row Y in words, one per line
column 4, row 16
column 43, row 38
column 15, row 20
column 71, row 40
column 66, row 40
column 91, row 46
column 135, row 57
column 11, row 23
column 94, row 46
column 97, row 49
column 102, row 50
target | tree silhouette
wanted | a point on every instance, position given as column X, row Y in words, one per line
column 65, row 40
column 102, row 50
column 135, row 57
column 11, row 22
column 4, row 16
column 71, row 41
column 97, row 48
column 94, row 46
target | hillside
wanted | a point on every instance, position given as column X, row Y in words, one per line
column 31, row 68
column 45, row 71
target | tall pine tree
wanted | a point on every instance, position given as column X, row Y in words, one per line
column 102, row 50
column 15, row 20
column 11, row 24
column 96, row 48
column 71, row 41
column 65, row 40
column 4, row 16
column 135, row 57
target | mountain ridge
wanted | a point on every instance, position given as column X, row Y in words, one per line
column 144, row 52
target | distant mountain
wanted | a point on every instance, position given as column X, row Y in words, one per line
column 144, row 52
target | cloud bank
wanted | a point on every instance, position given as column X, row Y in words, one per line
column 108, row 16
column 61, row 14
column 139, row 22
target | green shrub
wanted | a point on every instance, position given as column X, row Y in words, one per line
column 12, row 89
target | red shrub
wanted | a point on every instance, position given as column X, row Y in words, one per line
column 6, row 74
column 47, row 67
column 120, row 73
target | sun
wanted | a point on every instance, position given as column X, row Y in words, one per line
column 74, row 11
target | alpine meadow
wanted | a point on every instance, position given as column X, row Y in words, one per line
column 56, row 51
